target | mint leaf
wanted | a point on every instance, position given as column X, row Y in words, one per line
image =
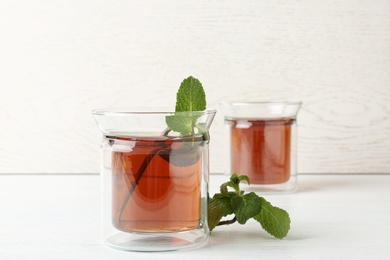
column 244, row 178
column 246, row 206
column 191, row 96
column 274, row 220
column 185, row 155
column 202, row 129
column 218, row 207
column 180, row 123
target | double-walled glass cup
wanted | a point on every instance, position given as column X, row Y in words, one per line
column 154, row 180
column 263, row 143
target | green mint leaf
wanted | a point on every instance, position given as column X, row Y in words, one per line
column 218, row 207
column 274, row 220
column 202, row 128
column 246, row 206
column 244, row 178
column 191, row 96
column 234, row 178
column 215, row 213
column 184, row 155
column 225, row 200
column 181, row 124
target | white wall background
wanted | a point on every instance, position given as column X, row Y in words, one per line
column 61, row 59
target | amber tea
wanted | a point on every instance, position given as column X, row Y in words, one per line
column 156, row 184
column 261, row 149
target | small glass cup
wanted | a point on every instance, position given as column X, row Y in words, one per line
column 263, row 143
column 154, row 181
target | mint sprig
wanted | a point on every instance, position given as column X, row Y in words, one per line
column 189, row 98
column 273, row 220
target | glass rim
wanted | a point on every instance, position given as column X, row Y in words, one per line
column 275, row 102
column 146, row 111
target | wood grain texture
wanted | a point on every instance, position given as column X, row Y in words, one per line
column 61, row 59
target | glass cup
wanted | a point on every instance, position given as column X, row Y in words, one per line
column 154, row 181
column 263, row 143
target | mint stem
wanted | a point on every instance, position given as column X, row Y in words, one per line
column 140, row 172
column 227, row 222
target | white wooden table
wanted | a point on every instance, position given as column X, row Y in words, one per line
column 333, row 217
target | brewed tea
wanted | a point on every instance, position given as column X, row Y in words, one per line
column 260, row 149
column 161, row 181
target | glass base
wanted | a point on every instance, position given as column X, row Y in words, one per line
column 154, row 242
column 280, row 188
